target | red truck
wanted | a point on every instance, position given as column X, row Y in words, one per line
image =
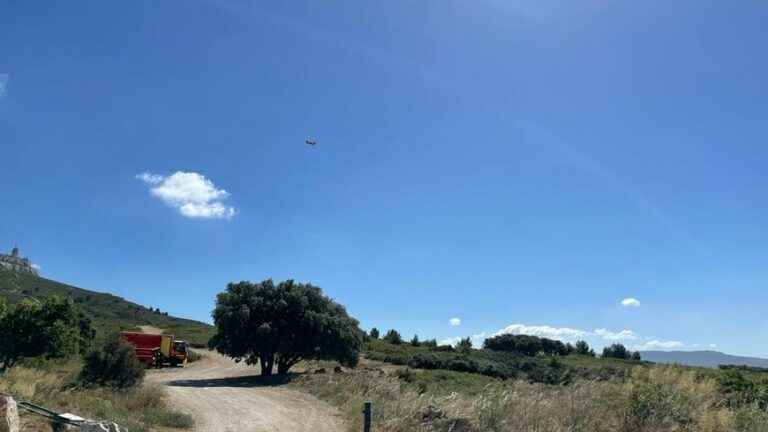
column 157, row 350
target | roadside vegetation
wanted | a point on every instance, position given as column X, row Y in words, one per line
column 505, row 364
column 423, row 386
column 50, row 355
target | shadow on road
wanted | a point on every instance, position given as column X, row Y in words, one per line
column 245, row 381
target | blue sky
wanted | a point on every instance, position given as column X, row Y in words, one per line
column 518, row 165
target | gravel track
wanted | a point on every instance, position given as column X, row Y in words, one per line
column 224, row 396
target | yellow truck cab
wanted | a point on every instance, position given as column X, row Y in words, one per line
column 173, row 351
column 180, row 349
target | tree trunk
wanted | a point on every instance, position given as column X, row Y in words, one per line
column 267, row 361
column 285, row 364
column 282, row 367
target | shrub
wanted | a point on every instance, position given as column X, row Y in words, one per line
column 582, row 348
column 430, row 343
column 114, row 364
column 464, row 345
column 619, row 351
column 525, row 345
column 740, row 391
column 659, row 398
column 374, row 333
column 52, row 328
column 393, row 337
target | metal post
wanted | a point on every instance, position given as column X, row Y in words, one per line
column 367, row 416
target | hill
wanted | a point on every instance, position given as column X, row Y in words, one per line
column 711, row 359
column 108, row 312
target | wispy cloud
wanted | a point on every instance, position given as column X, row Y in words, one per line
column 615, row 336
column 193, row 195
column 659, row 345
column 4, row 78
column 558, row 333
column 630, row 302
column 455, row 322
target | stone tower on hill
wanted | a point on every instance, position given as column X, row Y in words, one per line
column 15, row 263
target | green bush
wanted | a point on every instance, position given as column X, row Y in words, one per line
column 582, row 348
column 464, row 345
column 740, row 391
column 619, row 351
column 114, row 364
column 393, row 337
column 526, row 345
column 53, row 328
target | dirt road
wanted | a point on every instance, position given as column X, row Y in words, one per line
column 224, row 396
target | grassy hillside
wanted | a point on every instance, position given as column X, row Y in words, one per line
column 415, row 388
column 108, row 312
column 495, row 364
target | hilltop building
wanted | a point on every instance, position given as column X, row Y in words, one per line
column 14, row 262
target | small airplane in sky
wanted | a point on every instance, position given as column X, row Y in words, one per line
column 311, row 142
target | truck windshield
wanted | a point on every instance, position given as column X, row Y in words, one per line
column 180, row 346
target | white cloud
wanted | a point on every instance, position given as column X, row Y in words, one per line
column 601, row 336
column 4, row 77
column 36, row 267
column 713, row 346
column 558, row 333
column 450, row 340
column 455, row 322
column 192, row 194
column 614, row 336
column 151, row 179
column 657, row 344
column 630, row 302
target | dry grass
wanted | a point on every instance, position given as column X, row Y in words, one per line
column 652, row 399
column 140, row 409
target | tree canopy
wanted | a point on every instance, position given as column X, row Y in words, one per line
column 582, row 348
column 52, row 328
column 464, row 345
column 526, row 345
column 393, row 337
column 282, row 324
column 619, row 351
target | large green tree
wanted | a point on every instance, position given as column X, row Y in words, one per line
column 52, row 328
column 283, row 324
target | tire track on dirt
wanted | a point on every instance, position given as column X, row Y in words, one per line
column 223, row 396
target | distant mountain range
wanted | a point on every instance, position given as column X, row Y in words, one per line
column 710, row 359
